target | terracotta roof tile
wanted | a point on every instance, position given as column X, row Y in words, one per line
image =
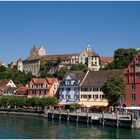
column 51, row 80
column 106, row 59
column 92, row 53
column 4, row 82
column 2, row 88
column 39, row 80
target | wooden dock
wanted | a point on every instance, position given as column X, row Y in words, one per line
column 118, row 120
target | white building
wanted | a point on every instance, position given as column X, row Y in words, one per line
column 69, row 90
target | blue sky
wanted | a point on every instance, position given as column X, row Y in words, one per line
column 67, row 27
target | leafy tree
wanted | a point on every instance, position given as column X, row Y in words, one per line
column 2, row 68
column 76, row 67
column 4, row 101
column 46, row 65
column 75, row 106
column 34, row 102
column 114, row 89
column 61, row 72
column 122, row 58
column 17, row 76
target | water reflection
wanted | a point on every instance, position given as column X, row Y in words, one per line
column 32, row 127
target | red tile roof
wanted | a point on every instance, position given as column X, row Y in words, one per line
column 43, row 80
column 39, row 80
column 2, row 88
column 106, row 59
column 51, row 80
column 92, row 53
column 4, row 82
column 60, row 56
column 51, row 57
column 23, row 88
column 1, row 63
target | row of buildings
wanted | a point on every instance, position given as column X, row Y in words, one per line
column 37, row 54
column 82, row 87
column 37, row 87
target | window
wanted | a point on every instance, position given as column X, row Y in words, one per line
column 84, row 89
column 103, row 96
column 68, row 96
column 75, row 89
column 95, row 89
column 133, row 97
column 84, row 96
column 96, row 96
column 68, row 89
column 133, row 86
column 89, row 96
column 76, row 96
column 62, row 96
column 62, row 89
column 90, row 89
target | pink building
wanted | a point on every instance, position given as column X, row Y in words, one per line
column 41, row 87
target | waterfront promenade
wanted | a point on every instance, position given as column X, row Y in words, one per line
column 117, row 120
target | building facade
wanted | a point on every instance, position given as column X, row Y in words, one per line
column 37, row 54
column 42, row 87
column 132, row 85
column 91, row 93
column 69, row 90
column 7, row 87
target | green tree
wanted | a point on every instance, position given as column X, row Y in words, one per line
column 122, row 58
column 76, row 67
column 114, row 89
column 4, row 101
column 33, row 102
column 61, row 72
column 46, row 65
column 75, row 106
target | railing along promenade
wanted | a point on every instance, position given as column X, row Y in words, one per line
column 102, row 118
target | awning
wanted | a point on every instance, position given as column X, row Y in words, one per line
column 66, row 103
column 132, row 108
column 90, row 104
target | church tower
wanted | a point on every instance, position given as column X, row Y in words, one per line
column 37, row 51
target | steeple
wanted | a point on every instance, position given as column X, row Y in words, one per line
column 88, row 48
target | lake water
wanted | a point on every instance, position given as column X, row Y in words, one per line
column 34, row 127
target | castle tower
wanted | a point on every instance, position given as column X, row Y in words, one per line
column 37, row 51
column 20, row 64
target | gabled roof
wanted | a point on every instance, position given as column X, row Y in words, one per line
column 97, row 78
column 23, row 88
column 31, row 58
column 51, row 80
column 106, row 59
column 59, row 56
column 39, row 80
column 10, row 89
column 4, row 82
column 43, row 80
column 92, row 53
column 2, row 88
column 76, row 75
column 51, row 57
